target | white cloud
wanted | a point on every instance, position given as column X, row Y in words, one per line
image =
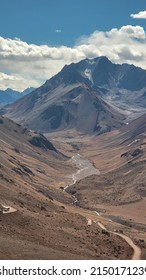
column 141, row 15
column 127, row 44
column 33, row 63
column 30, row 64
column 58, row 30
column 6, row 77
column 133, row 31
column 15, row 82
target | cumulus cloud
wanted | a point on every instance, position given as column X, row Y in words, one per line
column 126, row 44
column 140, row 15
column 7, row 77
column 30, row 64
column 15, row 82
column 34, row 63
column 133, row 31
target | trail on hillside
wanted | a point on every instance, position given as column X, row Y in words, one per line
column 136, row 250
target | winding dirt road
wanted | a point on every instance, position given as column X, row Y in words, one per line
column 136, row 250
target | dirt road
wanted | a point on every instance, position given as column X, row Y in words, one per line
column 136, row 250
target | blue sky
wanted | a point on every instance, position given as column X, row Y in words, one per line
column 35, row 21
column 37, row 37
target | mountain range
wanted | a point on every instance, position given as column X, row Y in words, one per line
column 91, row 96
column 9, row 96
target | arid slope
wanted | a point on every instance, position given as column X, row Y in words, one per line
column 46, row 225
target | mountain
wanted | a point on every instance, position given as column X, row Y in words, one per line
column 70, row 106
column 92, row 96
column 9, row 96
column 121, row 85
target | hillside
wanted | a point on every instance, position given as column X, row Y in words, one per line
column 119, row 193
column 40, row 220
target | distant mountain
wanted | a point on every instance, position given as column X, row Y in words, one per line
column 9, row 96
column 27, row 91
column 90, row 96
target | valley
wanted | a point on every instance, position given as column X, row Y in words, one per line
column 72, row 166
column 118, row 193
column 56, row 218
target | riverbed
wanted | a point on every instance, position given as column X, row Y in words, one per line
column 86, row 169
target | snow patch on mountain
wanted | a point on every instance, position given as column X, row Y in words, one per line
column 88, row 74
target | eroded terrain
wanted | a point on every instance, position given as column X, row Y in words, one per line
column 53, row 223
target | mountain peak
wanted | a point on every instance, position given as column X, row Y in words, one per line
column 81, row 72
column 98, row 59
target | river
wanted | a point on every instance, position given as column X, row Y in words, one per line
column 86, row 169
